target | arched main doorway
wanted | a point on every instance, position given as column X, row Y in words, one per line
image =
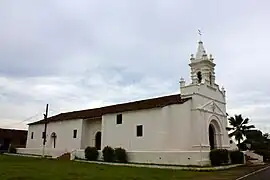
column 98, row 140
column 211, row 131
column 214, row 134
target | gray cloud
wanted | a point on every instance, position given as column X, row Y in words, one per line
column 84, row 54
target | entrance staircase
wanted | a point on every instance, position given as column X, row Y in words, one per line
column 65, row 156
column 253, row 158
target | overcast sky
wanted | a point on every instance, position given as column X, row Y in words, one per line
column 84, row 54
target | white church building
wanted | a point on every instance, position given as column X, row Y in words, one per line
column 175, row 129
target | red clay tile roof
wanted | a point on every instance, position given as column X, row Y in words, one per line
column 130, row 106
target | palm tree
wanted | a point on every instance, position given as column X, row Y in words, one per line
column 239, row 126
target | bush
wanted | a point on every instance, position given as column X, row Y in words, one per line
column 121, row 155
column 91, row 153
column 237, row 157
column 12, row 149
column 108, row 154
column 219, row 157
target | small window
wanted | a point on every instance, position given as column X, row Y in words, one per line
column 43, row 135
column 119, row 119
column 32, row 135
column 210, row 78
column 139, row 130
column 75, row 133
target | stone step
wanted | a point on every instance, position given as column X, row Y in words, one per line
column 65, row 156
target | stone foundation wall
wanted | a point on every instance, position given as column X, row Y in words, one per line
column 148, row 157
column 39, row 151
column 196, row 158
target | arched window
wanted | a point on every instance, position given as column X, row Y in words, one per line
column 199, row 76
column 53, row 139
column 211, row 132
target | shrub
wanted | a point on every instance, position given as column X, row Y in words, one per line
column 225, row 156
column 121, row 155
column 108, row 154
column 12, row 149
column 91, row 153
column 237, row 157
column 219, row 157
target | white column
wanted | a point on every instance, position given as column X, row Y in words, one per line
column 205, row 133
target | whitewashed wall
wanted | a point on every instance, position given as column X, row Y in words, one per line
column 163, row 129
column 179, row 130
column 124, row 135
column 161, row 157
column 37, row 140
column 90, row 128
column 39, row 151
column 202, row 114
column 64, row 132
column 170, row 134
column 171, row 157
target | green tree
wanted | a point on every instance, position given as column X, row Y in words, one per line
column 255, row 135
column 256, row 139
column 239, row 127
column 267, row 140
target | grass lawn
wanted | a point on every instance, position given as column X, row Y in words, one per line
column 25, row 168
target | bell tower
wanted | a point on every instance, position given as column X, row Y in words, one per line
column 202, row 73
column 202, row 67
column 208, row 105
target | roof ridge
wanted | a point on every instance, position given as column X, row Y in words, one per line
column 159, row 101
column 122, row 103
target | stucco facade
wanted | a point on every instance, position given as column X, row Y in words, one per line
column 178, row 129
column 91, row 128
column 163, row 129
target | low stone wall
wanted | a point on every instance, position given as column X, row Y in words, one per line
column 252, row 158
column 171, row 157
column 38, row 151
column 149, row 157
column 253, row 155
column 186, row 158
